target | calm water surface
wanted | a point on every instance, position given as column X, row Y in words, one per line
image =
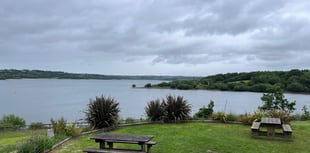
column 39, row 100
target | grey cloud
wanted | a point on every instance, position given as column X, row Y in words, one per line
column 166, row 32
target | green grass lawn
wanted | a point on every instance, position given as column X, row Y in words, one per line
column 13, row 137
column 204, row 138
column 8, row 139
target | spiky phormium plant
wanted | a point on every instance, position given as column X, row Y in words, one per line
column 102, row 112
column 155, row 110
column 176, row 108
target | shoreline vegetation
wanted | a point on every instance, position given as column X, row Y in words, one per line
column 40, row 74
column 293, row 81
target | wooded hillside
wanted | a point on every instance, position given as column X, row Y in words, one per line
column 292, row 81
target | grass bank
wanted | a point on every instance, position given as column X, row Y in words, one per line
column 13, row 137
column 204, row 138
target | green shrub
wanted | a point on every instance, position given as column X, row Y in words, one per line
column 205, row 112
column 306, row 113
column 12, row 121
column 61, row 127
column 246, row 118
column 148, row 85
column 102, row 112
column 170, row 109
column 155, row 110
column 37, row 125
column 36, row 144
column 130, row 120
column 220, row 116
column 231, row 117
column 258, row 115
column 8, row 149
column 249, row 118
column 176, row 108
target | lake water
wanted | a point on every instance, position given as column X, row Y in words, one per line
column 39, row 100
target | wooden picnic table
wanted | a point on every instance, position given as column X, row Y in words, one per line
column 110, row 138
column 271, row 124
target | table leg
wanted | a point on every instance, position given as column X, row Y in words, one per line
column 271, row 131
column 102, row 145
column 110, row 144
column 142, row 144
column 149, row 148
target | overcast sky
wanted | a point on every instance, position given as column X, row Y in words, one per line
column 157, row 37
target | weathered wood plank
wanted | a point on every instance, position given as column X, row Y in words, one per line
column 255, row 125
column 286, row 128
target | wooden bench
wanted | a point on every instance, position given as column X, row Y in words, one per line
column 92, row 150
column 287, row 130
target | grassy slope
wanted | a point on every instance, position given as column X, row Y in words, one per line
column 205, row 138
column 9, row 138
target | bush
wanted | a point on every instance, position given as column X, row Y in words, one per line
column 220, row 116
column 148, row 85
column 231, row 117
column 36, row 144
column 249, row 118
column 12, row 121
column 155, row 110
column 60, row 127
column 102, row 112
column 258, row 115
column 130, row 120
column 246, row 118
column 37, row 125
column 306, row 113
column 176, row 108
column 170, row 109
column 205, row 112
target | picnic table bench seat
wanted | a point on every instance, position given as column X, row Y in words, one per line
column 93, row 150
column 255, row 126
column 287, row 128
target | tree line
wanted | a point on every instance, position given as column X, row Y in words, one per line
column 40, row 74
column 260, row 81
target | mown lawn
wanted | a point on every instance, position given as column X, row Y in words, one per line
column 204, row 138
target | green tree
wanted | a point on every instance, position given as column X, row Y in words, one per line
column 12, row 121
column 277, row 105
column 102, row 112
column 295, row 87
column 205, row 112
column 148, row 85
column 276, row 100
column 306, row 113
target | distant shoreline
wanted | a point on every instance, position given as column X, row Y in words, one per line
column 39, row 74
